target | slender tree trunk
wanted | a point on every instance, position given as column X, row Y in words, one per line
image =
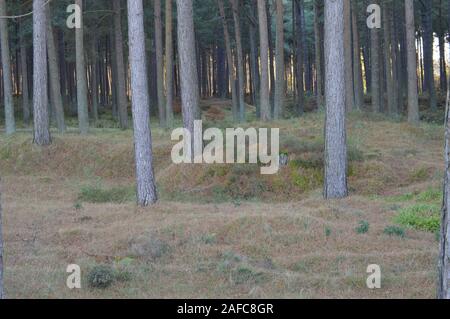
column 388, row 60
column 1, row 247
column 444, row 251
column 146, row 189
column 40, row 76
column 169, row 64
column 55, row 82
column 349, row 95
column 231, row 74
column 279, row 84
column 413, row 98
column 240, row 59
column 428, row 38
column 10, row 124
column 159, row 64
column 25, row 89
column 254, row 66
column 442, row 64
column 318, row 53
column 122, row 102
column 82, row 94
column 188, row 64
column 264, row 45
column 335, row 129
column 94, row 78
column 357, row 68
column 299, row 67
column 375, row 69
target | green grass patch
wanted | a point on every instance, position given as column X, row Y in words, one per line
column 430, row 195
column 425, row 217
column 363, row 227
column 394, row 231
column 97, row 195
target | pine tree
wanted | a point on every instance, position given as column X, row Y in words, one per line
column 145, row 180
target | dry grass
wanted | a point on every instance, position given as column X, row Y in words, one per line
column 281, row 242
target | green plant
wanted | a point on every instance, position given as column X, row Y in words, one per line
column 394, row 231
column 430, row 195
column 363, row 227
column 327, row 231
column 98, row 195
column 425, row 217
column 247, row 275
column 101, row 277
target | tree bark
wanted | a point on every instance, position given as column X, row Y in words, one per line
column 145, row 181
column 82, row 94
column 2, row 295
column 55, row 81
column 159, row 64
column 357, row 68
column 375, row 68
column 188, row 64
column 231, row 73
column 25, row 88
column 428, row 38
column 122, row 102
column 388, row 60
column 444, row 251
column 264, row 47
column 169, row 64
column 335, row 128
column 413, row 96
column 318, row 54
column 349, row 95
column 94, row 78
column 42, row 135
column 240, row 59
column 10, row 124
column 299, row 48
column 279, row 84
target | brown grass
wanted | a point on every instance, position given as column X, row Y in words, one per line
column 285, row 242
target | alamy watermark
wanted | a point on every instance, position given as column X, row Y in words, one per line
column 238, row 146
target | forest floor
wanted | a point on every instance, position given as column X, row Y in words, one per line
column 225, row 231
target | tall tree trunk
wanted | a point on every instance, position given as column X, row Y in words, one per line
column 318, row 54
column 231, row 74
column 122, row 103
column 188, row 64
column 25, row 88
column 335, row 129
column 279, row 84
column 55, row 82
column 254, row 65
column 444, row 251
column 442, row 64
column 299, row 67
column 10, row 124
column 240, row 59
column 145, row 180
column 264, row 48
column 357, row 68
column 388, row 60
column 94, row 77
column 428, row 38
column 169, row 64
column 1, row 247
column 349, row 95
column 82, row 94
column 40, row 77
column 159, row 64
column 375, row 68
column 413, row 98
